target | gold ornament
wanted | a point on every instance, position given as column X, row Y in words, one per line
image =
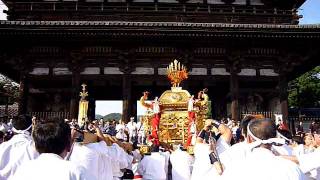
column 176, row 73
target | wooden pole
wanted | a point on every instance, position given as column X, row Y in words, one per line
column 234, row 89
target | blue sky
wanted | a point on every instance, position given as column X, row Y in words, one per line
column 310, row 11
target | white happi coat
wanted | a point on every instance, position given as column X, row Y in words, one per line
column 119, row 160
column 310, row 163
column 152, row 167
column 120, row 132
column 202, row 168
column 94, row 159
column 14, row 152
column 50, row 166
column 283, row 150
column 234, row 156
column 262, row 164
column 181, row 163
column 132, row 127
column 190, row 104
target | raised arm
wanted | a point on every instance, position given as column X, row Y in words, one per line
column 224, row 130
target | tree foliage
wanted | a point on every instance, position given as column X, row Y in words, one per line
column 9, row 88
column 304, row 91
column 111, row 116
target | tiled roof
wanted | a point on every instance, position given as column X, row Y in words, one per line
column 156, row 24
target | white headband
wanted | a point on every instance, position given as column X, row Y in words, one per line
column 258, row 141
column 21, row 131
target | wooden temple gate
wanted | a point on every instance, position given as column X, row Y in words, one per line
column 242, row 51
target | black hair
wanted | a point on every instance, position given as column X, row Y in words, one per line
column 285, row 133
column 52, row 137
column 263, row 128
column 297, row 139
column 244, row 124
column 155, row 148
column 135, row 145
column 1, row 135
column 21, row 122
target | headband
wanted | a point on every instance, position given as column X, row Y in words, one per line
column 283, row 137
column 258, row 141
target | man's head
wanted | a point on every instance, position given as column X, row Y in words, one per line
column 52, row 137
column 155, row 148
column 131, row 119
column 317, row 139
column 244, row 124
column 263, row 129
column 22, row 122
column 308, row 139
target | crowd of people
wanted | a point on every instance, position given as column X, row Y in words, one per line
column 61, row 149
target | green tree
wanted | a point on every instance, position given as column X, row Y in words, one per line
column 305, row 90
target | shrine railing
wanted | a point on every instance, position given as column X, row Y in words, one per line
column 47, row 115
column 294, row 118
column 11, row 110
column 266, row 114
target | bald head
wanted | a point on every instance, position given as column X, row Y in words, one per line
column 263, row 129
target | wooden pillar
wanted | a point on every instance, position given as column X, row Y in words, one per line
column 75, row 90
column 234, row 89
column 127, row 97
column 23, row 93
column 283, row 95
column 92, row 107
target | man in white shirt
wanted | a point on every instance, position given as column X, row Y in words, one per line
column 93, row 157
column 132, row 128
column 261, row 136
column 234, row 156
column 120, row 128
column 18, row 149
column 181, row 163
column 210, row 144
column 52, row 140
column 152, row 167
column 141, row 133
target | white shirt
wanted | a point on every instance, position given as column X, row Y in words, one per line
column 262, row 164
column 298, row 150
column 190, row 104
column 222, row 145
column 140, row 128
column 156, row 107
column 14, row 152
column 283, row 150
column 4, row 127
column 120, row 132
column 120, row 127
column 94, row 159
column 132, row 127
column 181, row 165
column 152, row 167
column 202, row 167
column 234, row 156
column 119, row 160
column 310, row 161
column 50, row 166
column 137, row 157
